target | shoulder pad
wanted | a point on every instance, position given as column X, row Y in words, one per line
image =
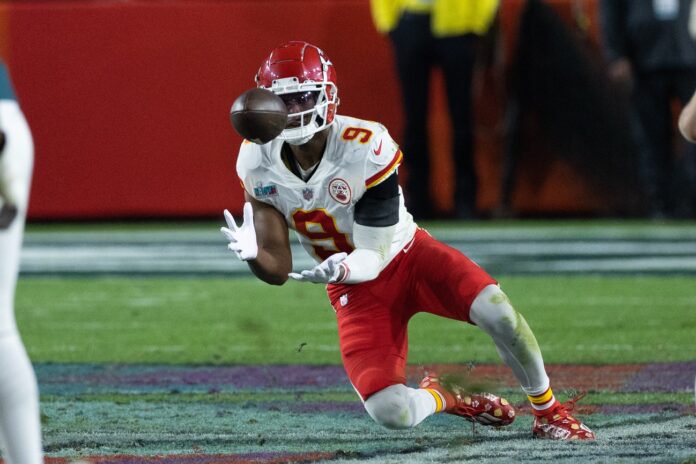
column 383, row 148
column 383, row 158
column 250, row 158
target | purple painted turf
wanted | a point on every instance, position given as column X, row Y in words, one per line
column 236, row 377
column 657, row 377
column 664, row 377
column 242, row 376
column 643, row 408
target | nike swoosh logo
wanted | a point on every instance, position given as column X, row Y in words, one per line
column 408, row 246
column 378, row 150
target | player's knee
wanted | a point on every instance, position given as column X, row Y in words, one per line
column 390, row 408
column 492, row 311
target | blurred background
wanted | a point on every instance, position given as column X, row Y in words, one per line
column 128, row 102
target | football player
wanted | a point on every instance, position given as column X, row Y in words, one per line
column 333, row 179
column 20, row 434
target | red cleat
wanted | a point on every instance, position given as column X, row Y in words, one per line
column 556, row 423
column 482, row 408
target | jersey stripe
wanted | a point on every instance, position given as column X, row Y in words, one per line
column 377, row 178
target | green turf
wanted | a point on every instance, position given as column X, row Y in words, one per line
column 587, row 319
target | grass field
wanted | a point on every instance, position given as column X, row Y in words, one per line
column 587, row 319
column 154, row 366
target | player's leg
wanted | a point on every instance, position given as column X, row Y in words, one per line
column 517, row 346
column 448, row 276
column 456, row 56
column 372, row 329
column 652, row 125
column 492, row 312
column 401, row 407
column 19, row 403
column 413, row 52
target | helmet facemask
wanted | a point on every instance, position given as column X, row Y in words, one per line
column 313, row 119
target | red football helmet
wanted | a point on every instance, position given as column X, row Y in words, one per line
column 301, row 69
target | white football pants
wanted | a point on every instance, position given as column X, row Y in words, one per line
column 20, row 433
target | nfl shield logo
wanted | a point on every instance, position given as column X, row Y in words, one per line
column 307, row 193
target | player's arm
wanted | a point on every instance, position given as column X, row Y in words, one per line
column 687, row 120
column 274, row 259
column 262, row 241
column 376, row 216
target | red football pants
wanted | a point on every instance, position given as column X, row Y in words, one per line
column 426, row 276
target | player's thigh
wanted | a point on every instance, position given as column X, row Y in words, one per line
column 445, row 281
column 10, row 244
column 373, row 338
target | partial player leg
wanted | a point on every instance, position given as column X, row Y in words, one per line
column 482, row 408
column 400, row 407
column 372, row 327
column 517, row 346
column 457, row 56
column 413, row 52
column 19, row 402
column 373, row 339
column 449, row 284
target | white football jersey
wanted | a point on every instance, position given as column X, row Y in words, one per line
column 359, row 155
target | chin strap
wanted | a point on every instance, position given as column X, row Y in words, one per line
column 300, row 140
column 299, row 135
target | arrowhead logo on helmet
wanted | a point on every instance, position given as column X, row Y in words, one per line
column 291, row 71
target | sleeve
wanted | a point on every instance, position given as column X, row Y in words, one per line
column 366, row 261
column 248, row 159
column 17, row 157
column 385, row 14
column 379, row 206
column 383, row 159
column 612, row 15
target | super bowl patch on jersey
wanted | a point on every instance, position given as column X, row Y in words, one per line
column 264, row 191
column 340, row 191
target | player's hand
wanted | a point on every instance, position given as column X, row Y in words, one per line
column 324, row 273
column 243, row 238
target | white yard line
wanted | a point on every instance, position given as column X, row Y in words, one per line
column 501, row 250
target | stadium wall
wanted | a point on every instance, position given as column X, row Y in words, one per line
column 128, row 101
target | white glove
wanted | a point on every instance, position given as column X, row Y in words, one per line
column 243, row 238
column 324, row 273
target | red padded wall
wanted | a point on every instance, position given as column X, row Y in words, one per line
column 128, row 100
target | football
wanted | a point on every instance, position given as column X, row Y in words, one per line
column 259, row 115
